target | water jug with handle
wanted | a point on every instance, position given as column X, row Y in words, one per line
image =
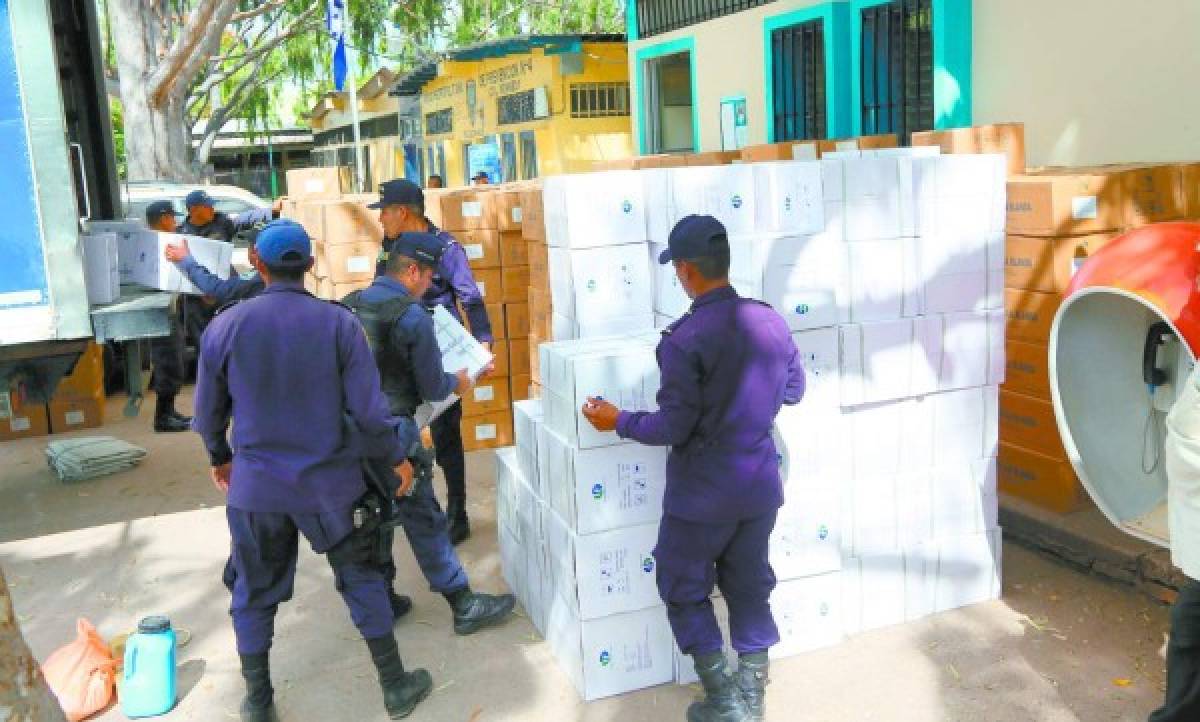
column 148, row 680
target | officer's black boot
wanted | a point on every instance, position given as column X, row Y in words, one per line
column 473, row 612
column 401, row 605
column 752, row 680
column 722, row 699
column 402, row 691
column 259, row 704
column 166, row 419
column 456, row 514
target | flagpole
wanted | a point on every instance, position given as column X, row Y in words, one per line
column 351, row 59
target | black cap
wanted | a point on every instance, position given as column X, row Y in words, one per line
column 156, row 624
column 481, row 175
column 400, row 192
column 695, row 237
column 158, row 209
column 424, row 247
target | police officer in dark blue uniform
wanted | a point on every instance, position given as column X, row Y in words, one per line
column 234, row 288
column 402, row 210
column 166, row 352
column 726, row 367
column 402, row 336
column 289, row 369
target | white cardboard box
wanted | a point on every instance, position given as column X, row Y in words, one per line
column 128, row 234
column 879, row 198
column 566, row 329
column 890, row 360
column 151, row 269
column 802, row 277
column 968, row 570
column 101, row 267
column 884, row 279
column 726, row 192
column 669, row 297
column 528, row 416
column 873, row 591
column 596, row 490
column 788, row 197
column 598, row 284
column 605, row 573
column 807, row 536
column 612, row 655
column 656, row 192
column 661, row 321
column 587, row 210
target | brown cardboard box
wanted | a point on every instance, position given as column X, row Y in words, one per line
column 1039, row 479
column 877, row 142
column 1030, row 314
column 348, row 221
column 489, row 431
column 491, row 284
column 1189, row 189
column 720, row 157
column 339, row 291
column 500, row 354
column 516, row 319
column 514, row 249
column 539, row 264
column 1047, row 264
column 86, row 380
column 519, row 387
column 313, row 183
column 433, row 205
column 25, row 422
column 515, row 282
column 662, row 160
column 320, row 267
column 791, row 150
column 496, row 316
column 325, row 289
column 1153, row 194
column 350, row 262
column 73, row 414
column 1029, row 423
column 533, row 215
column 540, row 308
column 290, row 209
column 518, row 357
column 615, row 164
column 311, row 218
column 311, row 284
column 482, row 247
column 1005, row 138
column 1027, row 369
column 837, row 145
column 508, row 209
column 1060, row 203
column 488, row 395
column 467, row 210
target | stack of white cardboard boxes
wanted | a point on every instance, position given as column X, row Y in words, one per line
column 888, row 267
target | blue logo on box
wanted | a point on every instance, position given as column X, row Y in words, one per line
column 627, row 207
column 823, row 532
column 787, row 204
column 598, row 491
column 802, row 309
column 737, row 201
column 605, row 658
column 648, row 564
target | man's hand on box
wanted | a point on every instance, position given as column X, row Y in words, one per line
column 464, row 382
column 601, row 414
column 404, row 471
column 176, row 253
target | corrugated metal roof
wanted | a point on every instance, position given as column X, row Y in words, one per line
column 412, row 82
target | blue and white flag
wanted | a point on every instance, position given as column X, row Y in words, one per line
column 335, row 22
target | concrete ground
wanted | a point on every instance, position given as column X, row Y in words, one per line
column 1060, row 645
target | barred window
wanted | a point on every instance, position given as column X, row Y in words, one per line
column 655, row 17
column 599, row 100
column 515, row 108
column 439, row 122
column 897, row 68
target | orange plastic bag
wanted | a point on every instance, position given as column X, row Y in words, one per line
column 82, row 673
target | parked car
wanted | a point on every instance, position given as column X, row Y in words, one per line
column 231, row 200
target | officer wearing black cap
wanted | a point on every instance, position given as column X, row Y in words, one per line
column 402, row 336
column 204, row 220
column 286, row 369
column 402, row 210
column 166, row 352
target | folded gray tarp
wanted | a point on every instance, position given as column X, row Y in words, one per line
column 92, row 456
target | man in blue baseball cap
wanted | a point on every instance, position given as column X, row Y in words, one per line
column 287, row 369
column 727, row 366
column 402, row 210
column 401, row 333
column 206, row 221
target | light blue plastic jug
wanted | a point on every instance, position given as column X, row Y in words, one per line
column 148, row 681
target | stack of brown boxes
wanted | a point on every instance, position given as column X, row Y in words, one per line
column 533, row 231
column 346, row 234
column 20, row 419
column 472, row 216
column 78, row 402
column 1056, row 219
column 1004, row 138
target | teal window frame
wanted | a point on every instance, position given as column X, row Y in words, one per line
column 835, row 17
column 651, row 52
column 952, row 58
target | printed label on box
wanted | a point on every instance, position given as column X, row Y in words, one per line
column 485, row 432
column 485, row 393
column 359, row 264
column 314, row 185
column 516, row 215
column 20, row 423
column 474, row 251
column 1084, row 208
column 844, row 146
column 472, row 209
column 482, row 288
column 804, row 151
column 74, row 418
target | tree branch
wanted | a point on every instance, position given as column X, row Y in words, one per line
column 253, row 55
column 210, row 17
column 260, row 10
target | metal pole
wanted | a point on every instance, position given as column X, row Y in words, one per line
column 271, row 168
column 351, row 59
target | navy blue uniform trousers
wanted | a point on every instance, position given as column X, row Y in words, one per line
column 691, row 557
column 425, row 525
column 446, row 431
column 1183, row 659
column 261, row 572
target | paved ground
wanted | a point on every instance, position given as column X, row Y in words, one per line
column 1059, row 646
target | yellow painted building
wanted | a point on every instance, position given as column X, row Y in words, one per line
column 524, row 107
